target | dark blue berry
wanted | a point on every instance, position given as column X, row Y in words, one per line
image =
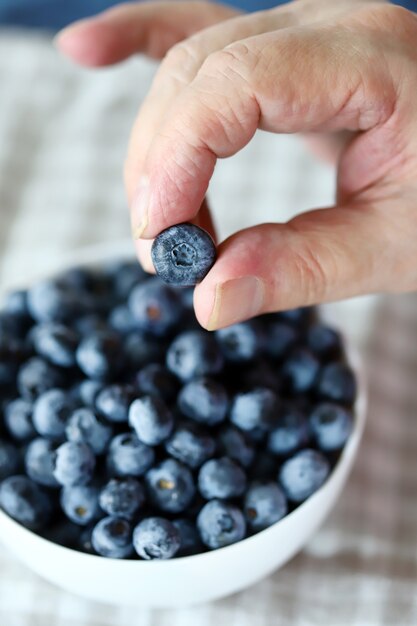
column 113, row 402
column 183, row 254
column 53, row 301
column 240, row 342
column 220, row 524
column 331, row 426
column 91, row 323
column 204, row 400
column 100, row 355
column 122, row 497
column 18, row 419
column 221, row 478
column 324, row 341
column 51, row 412
column 112, row 537
column 141, row 349
column 86, row 392
column 170, row 486
column 194, row 353
column 190, row 542
column 80, row 504
column 233, row 443
column 280, row 338
column 84, row 426
column 156, row 307
column 16, row 304
column 74, row 464
column 151, row 419
column 303, row 474
column 56, row 343
column 264, row 505
column 156, row 538
column 37, row 376
column 125, row 275
column 155, row 380
column 257, row 408
column 300, row 371
column 122, row 320
column 128, row 456
column 191, row 445
column 40, row 462
column 290, row 432
column 337, row 383
column 25, row 502
column 9, row 459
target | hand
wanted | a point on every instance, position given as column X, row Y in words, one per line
column 304, row 67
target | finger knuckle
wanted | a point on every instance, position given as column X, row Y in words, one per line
column 314, row 272
column 181, row 61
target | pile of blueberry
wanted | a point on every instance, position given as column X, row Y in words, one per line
column 128, row 431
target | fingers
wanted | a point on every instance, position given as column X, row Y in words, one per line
column 319, row 256
column 147, row 27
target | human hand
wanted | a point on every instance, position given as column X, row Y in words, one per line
column 304, row 67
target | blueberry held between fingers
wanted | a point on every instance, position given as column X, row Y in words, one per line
column 156, row 538
column 183, row 254
column 220, row 524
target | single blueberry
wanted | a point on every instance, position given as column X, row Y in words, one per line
column 51, row 412
column 141, row 349
column 156, row 538
column 78, row 278
column 122, row 497
column 16, row 304
column 122, row 320
column 257, row 408
column 100, row 355
column 80, row 504
column 303, row 474
column 113, row 402
column 128, row 456
column 112, row 537
column 290, row 433
column 331, row 426
column 300, row 371
column 324, row 341
column 25, row 502
column 234, row 444
column 9, row 459
column 194, row 353
column 156, row 307
column 204, row 400
column 191, row 445
column 37, row 376
column 154, row 379
column 264, row 505
column 337, row 383
column 280, row 338
column 86, row 391
column 183, row 254
column 84, row 426
column 125, row 275
column 53, row 301
column 151, row 419
column 40, row 462
column 56, row 343
column 170, row 486
column 18, row 419
column 190, row 542
column 221, row 478
column 74, row 464
column 220, row 524
column 241, row 342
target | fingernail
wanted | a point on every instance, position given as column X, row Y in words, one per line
column 236, row 300
column 140, row 206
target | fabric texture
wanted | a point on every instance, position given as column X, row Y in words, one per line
column 63, row 133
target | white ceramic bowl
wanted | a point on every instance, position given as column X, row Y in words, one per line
column 189, row 580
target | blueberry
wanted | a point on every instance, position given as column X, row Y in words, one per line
column 78, row 278
column 221, row 478
column 122, row 320
column 113, row 402
column 40, row 462
column 191, row 445
column 155, row 379
column 51, row 412
column 220, row 524
column 141, row 349
column 112, row 537
column 125, row 275
column 261, row 373
column 204, row 400
column 18, row 419
column 100, row 355
column 240, row 342
column 56, row 343
column 37, row 376
column 257, row 408
column 331, row 426
column 290, row 432
column 74, row 464
column 280, row 338
column 25, row 502
column 122, row 497
column 80, row 504
column 194, row 353
column 128, row 456
column 183, row 254
column 16, row 304
column 151, row 419
column 89, row 324
column 85, row 427
column 303, row 474
column 337, row 383
column 156, row 307
column 9, row 459
column 300, row 370
column 170, row 486
column 53, row 301
column 156, row 538
column 86, row 391
column 324, row 341
column 234, row 444
column 190, row 542
column 264, row 505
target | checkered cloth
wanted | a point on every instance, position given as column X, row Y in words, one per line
column 63, row 133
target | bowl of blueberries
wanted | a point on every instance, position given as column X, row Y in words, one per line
column 146, row 461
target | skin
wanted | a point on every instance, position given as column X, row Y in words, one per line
column 343, row 73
